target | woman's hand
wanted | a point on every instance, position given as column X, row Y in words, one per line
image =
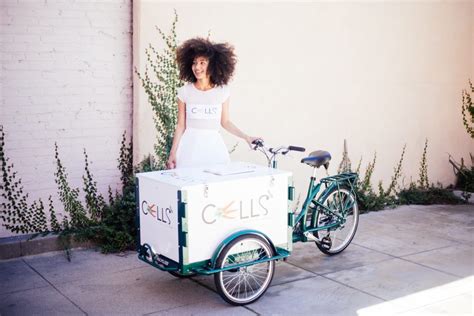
column 171, row 164
column 250, row 139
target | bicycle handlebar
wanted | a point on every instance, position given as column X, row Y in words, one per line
column 283, row 150
column 271, row 153
column 296, row 148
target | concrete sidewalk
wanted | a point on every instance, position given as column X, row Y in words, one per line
column 410, row 260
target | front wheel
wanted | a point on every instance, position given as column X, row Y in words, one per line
column 340, row 207
column 245, row 283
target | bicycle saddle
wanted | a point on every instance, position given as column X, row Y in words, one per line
column 317, row 159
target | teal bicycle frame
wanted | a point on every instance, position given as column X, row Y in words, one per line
column 330, row 183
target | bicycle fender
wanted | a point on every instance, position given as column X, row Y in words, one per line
column 239, row 233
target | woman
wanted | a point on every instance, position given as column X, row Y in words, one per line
column 203, row 104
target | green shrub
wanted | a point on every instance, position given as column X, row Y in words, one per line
column 426, row 196
column 161, row 82
column 464, row 175
column 422, row 193
column 467, row 110
column 111, row 226
column 369, row 200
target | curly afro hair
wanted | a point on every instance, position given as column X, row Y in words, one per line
column 221, row 57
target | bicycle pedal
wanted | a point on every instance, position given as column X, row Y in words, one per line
column 326, row 242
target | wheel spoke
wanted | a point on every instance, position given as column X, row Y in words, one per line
column 236, row 284
column 249, row 285
column 250, row 281
column 257, row 279
column 230, row 279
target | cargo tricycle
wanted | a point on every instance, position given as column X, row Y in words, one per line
column 234, row 221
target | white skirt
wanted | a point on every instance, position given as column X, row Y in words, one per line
column 201, row 147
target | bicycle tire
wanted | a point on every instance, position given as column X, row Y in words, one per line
column 228, row 283
column 333, row 200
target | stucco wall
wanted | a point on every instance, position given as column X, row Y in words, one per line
column 379, row 74
column 65, row 77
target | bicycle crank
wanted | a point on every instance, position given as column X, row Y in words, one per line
column 325, row 242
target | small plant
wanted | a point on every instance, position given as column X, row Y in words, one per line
column 422, row 193
column 396, row 175
column 69, row 197
column 423, row 181
column 116, row 231
column 162, row 94
column 367, row 198
column 464, row 176
column 366, row 184
column 345, row 165
column 17, row 214
column 125, row 161
column 95, row 203
column 468, row 110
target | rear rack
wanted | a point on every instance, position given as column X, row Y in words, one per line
column 350, row 177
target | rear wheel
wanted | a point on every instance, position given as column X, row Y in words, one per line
column 341, row 207
column 245, row 284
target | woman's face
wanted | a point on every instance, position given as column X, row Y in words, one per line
column 200, row 67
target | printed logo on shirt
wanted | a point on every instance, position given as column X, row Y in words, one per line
column 203, row 111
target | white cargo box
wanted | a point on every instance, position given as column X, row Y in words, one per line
column 185, row 214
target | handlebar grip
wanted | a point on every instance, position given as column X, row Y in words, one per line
column 257, row 143
column 296, row 148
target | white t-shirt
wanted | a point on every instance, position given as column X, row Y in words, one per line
column 203, row 108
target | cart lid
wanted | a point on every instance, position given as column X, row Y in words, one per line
column 235, row 170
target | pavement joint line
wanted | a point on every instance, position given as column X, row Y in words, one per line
column 424, row 251
column 400, row 258
column 365, row 247
column 24, row 290
column 328, row 278
column 54, row 287
column 167, row 309
column 250, row 309
column 463, row 243
column 359, row 266
column 393, row 256
column 371, row 263
column 354, row 288
column 425, row 266
column 296, row 280
column 316, row 274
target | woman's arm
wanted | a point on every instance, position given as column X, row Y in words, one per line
column 231, row 128
column 180, row 127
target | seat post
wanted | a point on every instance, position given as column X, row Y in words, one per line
column 314, row 173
